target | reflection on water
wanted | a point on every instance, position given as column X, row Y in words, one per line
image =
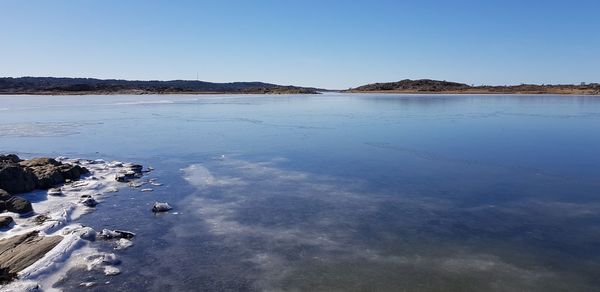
column 339, row 192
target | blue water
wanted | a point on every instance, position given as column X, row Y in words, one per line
column 337, row 192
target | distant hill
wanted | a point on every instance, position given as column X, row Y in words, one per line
column 436, row 86
column 53, row 85
column 417, row 85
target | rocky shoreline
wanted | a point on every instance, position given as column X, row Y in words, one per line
column 40, row 238
column 21, row 176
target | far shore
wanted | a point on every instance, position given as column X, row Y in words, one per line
column 413, row 92
column 54, row 93
column 91, row 86
column 472, row 92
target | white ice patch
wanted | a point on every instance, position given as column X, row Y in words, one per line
column 123, row 244
column 38, row 129
column 143, row 102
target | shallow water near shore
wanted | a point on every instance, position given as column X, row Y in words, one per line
column 336, row 192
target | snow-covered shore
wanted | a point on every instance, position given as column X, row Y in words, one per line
column 58, row 214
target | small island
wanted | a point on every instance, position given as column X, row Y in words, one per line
column 428, row 86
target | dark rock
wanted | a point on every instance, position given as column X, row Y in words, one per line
column 18, row 205
column 16, row 179
column 40, row 219
column 130, row 172
column 72, row 172
column 127, row 176
column 89, row 202
column 161, row 207
column 47, row 176
column 6, row 276
column 19, row 252
column 121, row 177
column 4, row 195
column 50, row 172
column 10, row 157
column 136, row 168
column 5, row 221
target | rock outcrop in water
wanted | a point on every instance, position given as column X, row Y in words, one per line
column 13, row 203
column 14, row 178
column 18, row 205
column 161, row 207
column 49, row 172
column 21, row 176
column 131, row 172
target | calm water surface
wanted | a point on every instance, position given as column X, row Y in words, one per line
column 337, row 192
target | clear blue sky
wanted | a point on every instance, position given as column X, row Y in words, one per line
column 325, row 43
